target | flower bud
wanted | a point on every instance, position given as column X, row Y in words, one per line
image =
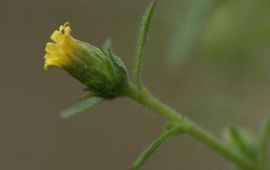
column 99, row 70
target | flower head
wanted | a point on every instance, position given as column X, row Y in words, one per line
column 63, row 46
column 102, row 72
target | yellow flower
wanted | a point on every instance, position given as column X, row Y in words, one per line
column 98, row 69
column 59, row 51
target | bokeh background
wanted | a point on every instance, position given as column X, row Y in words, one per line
column 207, row 58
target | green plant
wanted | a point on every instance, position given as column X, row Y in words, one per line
column 105, row 78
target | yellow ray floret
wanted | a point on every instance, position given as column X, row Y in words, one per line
column 59, row 51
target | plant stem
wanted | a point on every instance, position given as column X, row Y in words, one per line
column 146, row 99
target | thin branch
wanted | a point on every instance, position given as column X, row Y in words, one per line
column 148, row 152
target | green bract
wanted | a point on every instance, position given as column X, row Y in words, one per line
column 99, row 70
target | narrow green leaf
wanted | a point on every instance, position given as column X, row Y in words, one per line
column 188, row 28
column 242, row 141
column 264, row 142
column 141, row 39
column 265, row 132
column 148, row 152
column 81, row 106
column 107, row 44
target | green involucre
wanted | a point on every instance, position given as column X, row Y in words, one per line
column 99, row 70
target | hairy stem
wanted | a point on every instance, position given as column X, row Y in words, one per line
column 146, row 99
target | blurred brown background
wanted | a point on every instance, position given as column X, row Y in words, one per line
column 207, row 58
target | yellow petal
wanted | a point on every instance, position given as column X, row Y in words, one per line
column 50, row 47
column 61, row 28
column 67, row 29
column 56, row 35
